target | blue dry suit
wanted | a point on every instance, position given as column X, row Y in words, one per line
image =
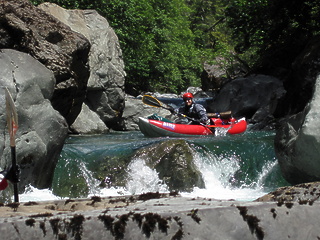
column 196, row 111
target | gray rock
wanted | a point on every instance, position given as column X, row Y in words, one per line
column 174, row 163
column 297, row 140
column 159, row 95
column 135, row 108
column 255, row 97
column 105, row 93
column 169, row 218
column 42, row 130
column 88, row 122
column 306, row 193
column 297, row 143
column 212, row 77
column 29, row 29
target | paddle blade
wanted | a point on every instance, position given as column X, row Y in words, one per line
column 151, row 101
column 222, row 115
column 12, row 116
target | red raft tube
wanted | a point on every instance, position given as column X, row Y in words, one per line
column 157, row 128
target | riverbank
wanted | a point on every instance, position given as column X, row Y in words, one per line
column 159, row 216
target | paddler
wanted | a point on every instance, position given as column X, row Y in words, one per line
column 192, row 110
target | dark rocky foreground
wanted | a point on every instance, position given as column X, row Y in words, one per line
column 167, row 216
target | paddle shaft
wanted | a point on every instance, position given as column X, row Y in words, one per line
column 154, row 102
column 14, row 169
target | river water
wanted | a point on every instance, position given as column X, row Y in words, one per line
column 241, row 167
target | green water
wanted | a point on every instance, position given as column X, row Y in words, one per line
column 242, row 164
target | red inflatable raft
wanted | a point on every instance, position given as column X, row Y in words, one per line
column 156, row 128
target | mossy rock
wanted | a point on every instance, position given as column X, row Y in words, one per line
column 112, row 171
column 173, row 160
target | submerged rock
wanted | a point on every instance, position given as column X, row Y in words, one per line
column 173, row 160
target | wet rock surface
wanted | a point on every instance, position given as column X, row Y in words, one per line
column 158, row 216
column 174, row 162
column 306, row 193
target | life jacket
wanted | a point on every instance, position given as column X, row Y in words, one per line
column 196, row 111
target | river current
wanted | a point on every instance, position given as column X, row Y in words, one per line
column 241, row 167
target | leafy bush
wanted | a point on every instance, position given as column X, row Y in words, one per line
column 166, row 42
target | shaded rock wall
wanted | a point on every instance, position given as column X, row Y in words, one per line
column 297, row 143
column 60, row 55
column 255, row 97
column 300, row 83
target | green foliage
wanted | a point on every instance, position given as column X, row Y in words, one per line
column 157, row 43
column 166, row 42
column 156, row 40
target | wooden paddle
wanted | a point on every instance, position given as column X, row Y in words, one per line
column 12, row 121
column 222, row 115
column 154, row 102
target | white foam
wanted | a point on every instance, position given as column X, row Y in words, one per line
column 34, row 194
column 143, row 179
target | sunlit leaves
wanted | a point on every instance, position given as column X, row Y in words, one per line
column 166, row 42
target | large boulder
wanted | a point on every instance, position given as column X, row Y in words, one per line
column 254, row 97
column 173, row 160
column 297, row 143
column 42, row 130
column 29, row 29
column 105, row 93
column 211, row 77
